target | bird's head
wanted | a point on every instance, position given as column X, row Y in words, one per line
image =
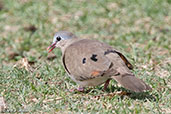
column 61, row 39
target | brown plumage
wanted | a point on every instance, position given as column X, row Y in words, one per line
column 91, row 63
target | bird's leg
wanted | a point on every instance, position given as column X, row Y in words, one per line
column 106, row 84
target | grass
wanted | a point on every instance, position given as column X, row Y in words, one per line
column 141, row 30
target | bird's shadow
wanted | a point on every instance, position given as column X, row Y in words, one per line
column 133, row 95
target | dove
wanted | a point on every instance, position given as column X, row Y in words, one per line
column 92, row 63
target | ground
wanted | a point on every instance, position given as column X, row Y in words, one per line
column 33, row 81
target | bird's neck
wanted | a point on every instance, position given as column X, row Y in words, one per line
column 68, row 42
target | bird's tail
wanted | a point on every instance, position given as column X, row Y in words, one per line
column 129, row 81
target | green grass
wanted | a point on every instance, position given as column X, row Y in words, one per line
column 140, row 29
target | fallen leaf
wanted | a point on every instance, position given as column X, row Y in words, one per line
column 11, row 28
column 2, row 104
column 24, row 63
column 30, row 28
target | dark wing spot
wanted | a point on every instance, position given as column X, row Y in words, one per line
column 84, row 60
column 93, row 57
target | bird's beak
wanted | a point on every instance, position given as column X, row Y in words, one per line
column 51, row 47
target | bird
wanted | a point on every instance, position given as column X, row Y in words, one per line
column 91, row 63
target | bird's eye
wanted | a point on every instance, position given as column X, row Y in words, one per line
column 58, row 38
